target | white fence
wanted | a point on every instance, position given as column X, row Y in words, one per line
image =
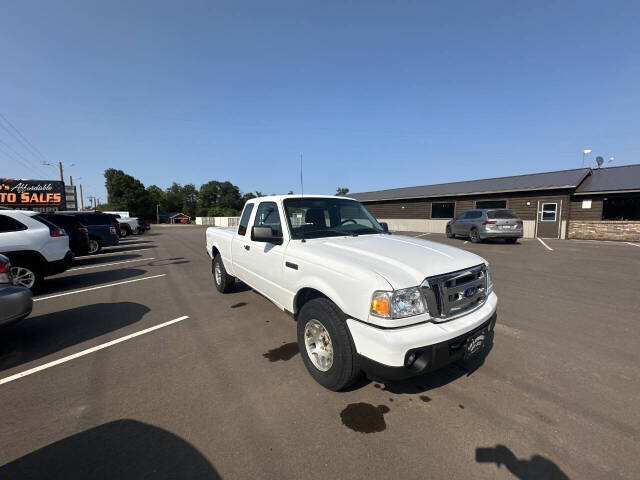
column 218, row 221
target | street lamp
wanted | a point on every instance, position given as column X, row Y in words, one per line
column 586, row 151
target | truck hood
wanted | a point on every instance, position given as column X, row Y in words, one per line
column 403, row 261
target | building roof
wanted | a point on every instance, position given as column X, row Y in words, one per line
column 611, row 179
column 171, row 214
column 533, row 181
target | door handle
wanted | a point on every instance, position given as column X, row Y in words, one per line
column 247, row 247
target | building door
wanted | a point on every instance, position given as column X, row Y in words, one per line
column 548, row 223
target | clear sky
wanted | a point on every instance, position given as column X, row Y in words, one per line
column 374, row 94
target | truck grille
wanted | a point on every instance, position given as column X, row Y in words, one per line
column 455, row 293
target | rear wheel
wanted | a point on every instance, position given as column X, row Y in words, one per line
column 94, row 246
column 475, row 236
column 27, row 276
column 511, row 240
column 222, row 280
column 326, row 345
column 449, row 232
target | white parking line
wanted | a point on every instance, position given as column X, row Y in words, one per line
column 422, row 235
column 39, row 299
column 87, row 351
column 124, row 252
column 548, row 247
column 634, row 244
column 466, row 241
column 109, row 264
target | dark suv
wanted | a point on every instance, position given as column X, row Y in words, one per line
column 480, row 224
column 102, row 233
column 78, row 233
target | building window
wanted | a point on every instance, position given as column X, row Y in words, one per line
column 621, row 208
column 443, row 209
column 548, row 213
column 491, row 204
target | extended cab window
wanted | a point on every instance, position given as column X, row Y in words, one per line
column 8, row 224
column 268, row 216
column 244, row 220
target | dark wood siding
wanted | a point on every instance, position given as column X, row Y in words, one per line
column 421, row 208
column 576, row 212
column 400, row 209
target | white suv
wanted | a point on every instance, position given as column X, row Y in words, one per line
column 35, row 247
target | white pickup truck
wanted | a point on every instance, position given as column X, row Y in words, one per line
column 364, row 300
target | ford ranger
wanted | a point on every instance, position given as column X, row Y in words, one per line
column 364, row 300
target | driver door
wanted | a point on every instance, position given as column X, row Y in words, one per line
column 266, row 259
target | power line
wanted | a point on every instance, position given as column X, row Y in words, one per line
column 17, row 160
column 25, row 142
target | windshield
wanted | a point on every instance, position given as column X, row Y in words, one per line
column 325, row 217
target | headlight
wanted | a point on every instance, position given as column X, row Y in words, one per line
column 398, row 304
column 489, row 281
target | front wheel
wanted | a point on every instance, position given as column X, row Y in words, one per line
column 222, row 280
column 449, row 232
column 123, row 232
column 326, row 346
column 475, row 236
column 511, row 240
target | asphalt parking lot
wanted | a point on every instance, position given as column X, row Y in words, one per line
column 133, row 366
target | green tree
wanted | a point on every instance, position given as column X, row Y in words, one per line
column 126, row 193
column 342, row 191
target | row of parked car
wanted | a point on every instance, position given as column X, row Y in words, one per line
column 35, row 245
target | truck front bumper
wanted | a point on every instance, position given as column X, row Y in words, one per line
column 384, row 352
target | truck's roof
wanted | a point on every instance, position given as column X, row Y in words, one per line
column 277, row 198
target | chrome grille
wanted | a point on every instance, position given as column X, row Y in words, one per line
column 455, row 293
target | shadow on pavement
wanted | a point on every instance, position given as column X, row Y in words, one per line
column 167, row 261
column 536, row 467
column 125, row 249
column 123, row 449
column 86, row 261
column 89, row 278
column 37, row 337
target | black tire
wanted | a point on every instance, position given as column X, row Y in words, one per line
column 511, row 240
column 474, row 236
column 123, row 232
column 95, row 246
column 449, row 232
column 345, row 368
column 223, row 282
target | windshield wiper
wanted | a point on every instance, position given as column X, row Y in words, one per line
column 329, row 230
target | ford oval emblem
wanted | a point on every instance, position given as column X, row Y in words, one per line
column 470, row 292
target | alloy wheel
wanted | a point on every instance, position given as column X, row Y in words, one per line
column 318, row 344
column 23, row 276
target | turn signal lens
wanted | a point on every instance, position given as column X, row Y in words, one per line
column 380, row 304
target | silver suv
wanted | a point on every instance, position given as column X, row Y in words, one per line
column 480, row 224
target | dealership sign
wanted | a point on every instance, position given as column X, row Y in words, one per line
column 31, row 193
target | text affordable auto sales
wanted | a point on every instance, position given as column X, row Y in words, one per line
column 31, row 194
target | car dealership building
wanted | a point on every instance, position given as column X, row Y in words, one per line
column 582, row 203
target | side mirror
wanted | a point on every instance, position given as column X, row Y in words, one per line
column 265, row 234
column 385, row 226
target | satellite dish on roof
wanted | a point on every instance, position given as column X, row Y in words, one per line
column 599, row 161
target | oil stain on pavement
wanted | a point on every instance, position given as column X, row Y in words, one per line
column 282, row 353
column 364, row 417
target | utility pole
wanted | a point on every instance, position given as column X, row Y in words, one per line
column 158, row 213
column 81, row 199
column 61, row 174
column 70, row 180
